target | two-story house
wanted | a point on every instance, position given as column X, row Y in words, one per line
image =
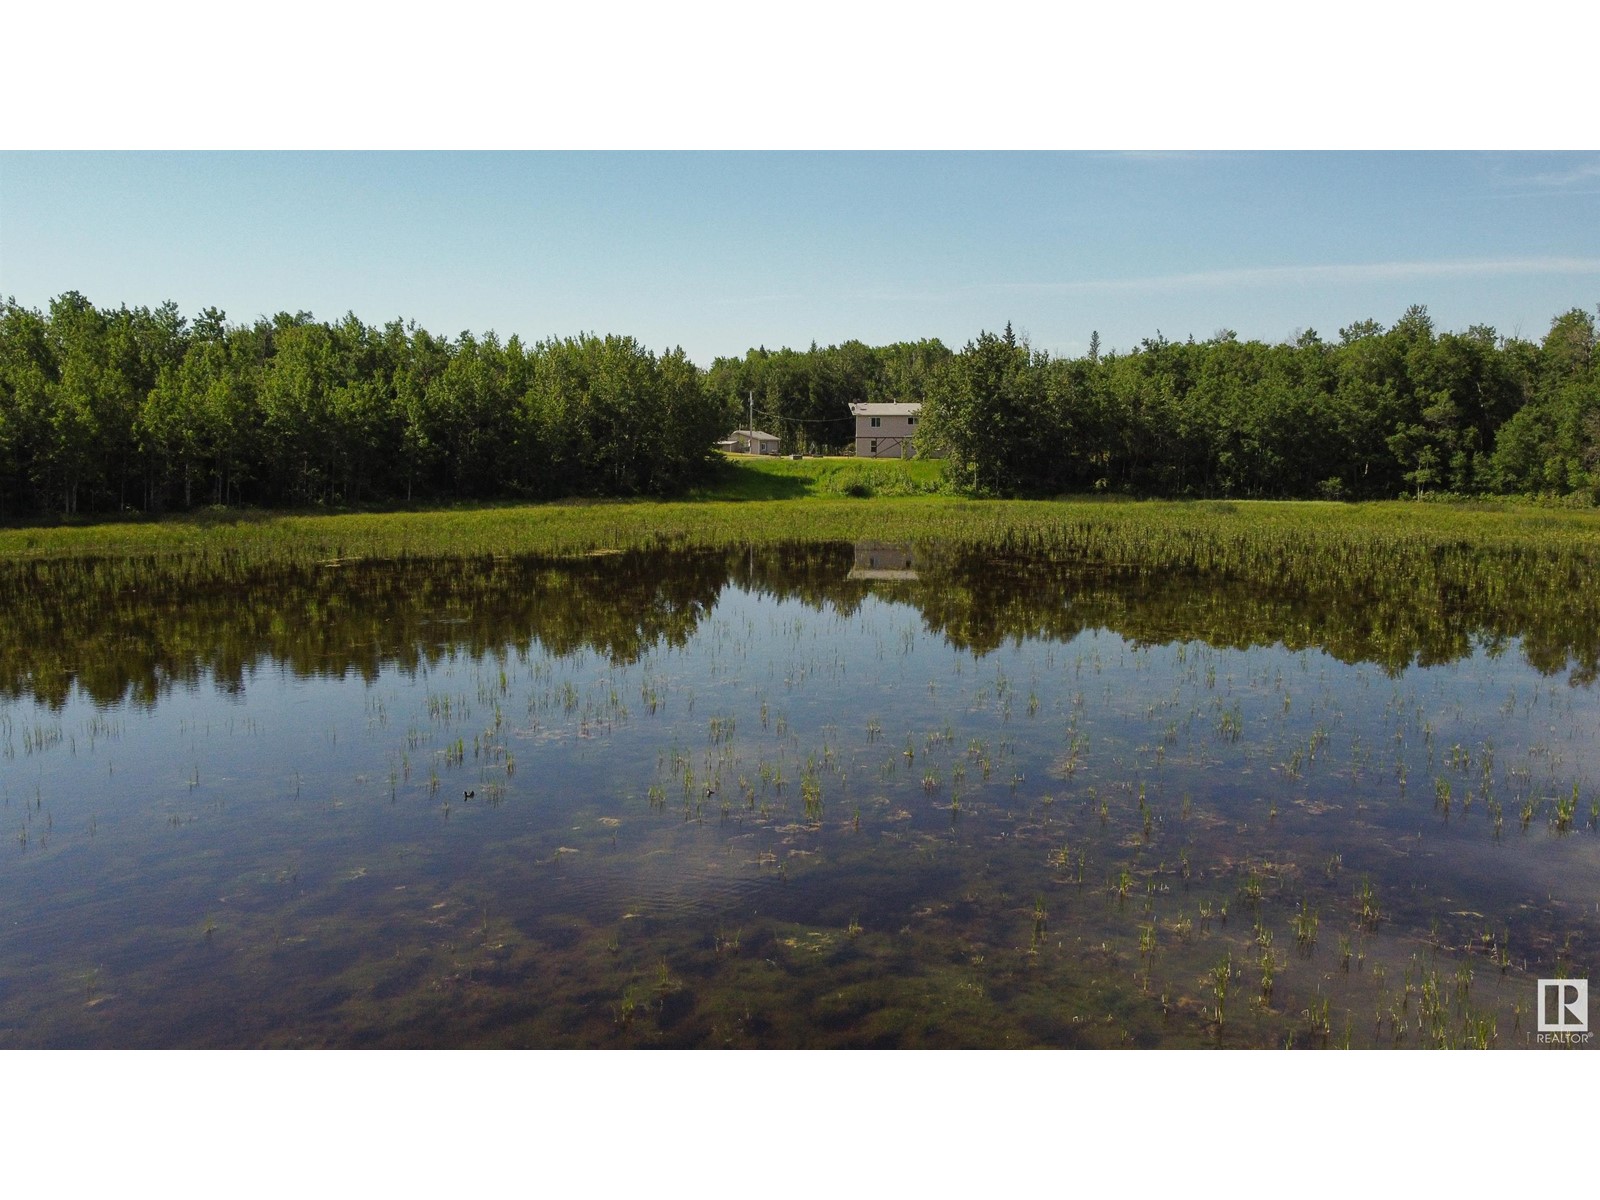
column 886, row 430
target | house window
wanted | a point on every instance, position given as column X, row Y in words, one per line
column 874, row 442
column 877, row 421
column 911, row 420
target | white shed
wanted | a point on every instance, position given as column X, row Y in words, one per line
column 753, row 441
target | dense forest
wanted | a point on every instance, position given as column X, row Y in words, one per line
column 140, row 409
column 136, row 408
column 1380, row 413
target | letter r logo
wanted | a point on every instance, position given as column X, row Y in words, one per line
column 1563, row 1006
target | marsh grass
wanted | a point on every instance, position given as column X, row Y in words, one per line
column 1158, row 532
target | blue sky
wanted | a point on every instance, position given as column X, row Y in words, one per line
column 718, row 252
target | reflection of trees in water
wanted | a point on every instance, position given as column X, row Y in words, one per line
column 118, row 638
column 1424, row 611
column 121, row 630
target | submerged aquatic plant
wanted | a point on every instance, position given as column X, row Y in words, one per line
column 1221, row 973
column 1566, row 810
column 1305, row 926
column 1367, row 906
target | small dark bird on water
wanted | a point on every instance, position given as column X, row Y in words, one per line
column 468, row 795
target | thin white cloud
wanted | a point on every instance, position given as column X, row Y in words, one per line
column 768, row 298
column 1312, row 274
column 1582, row 173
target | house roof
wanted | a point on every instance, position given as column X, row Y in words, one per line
column 885, row 410
column 755, row 433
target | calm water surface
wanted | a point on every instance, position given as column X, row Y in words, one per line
column 835, row 796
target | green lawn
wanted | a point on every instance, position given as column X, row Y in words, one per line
column 766, row 477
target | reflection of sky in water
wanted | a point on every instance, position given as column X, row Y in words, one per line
column 204, row 794
column 823, row 670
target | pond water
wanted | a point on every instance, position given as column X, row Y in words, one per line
column 820, row 796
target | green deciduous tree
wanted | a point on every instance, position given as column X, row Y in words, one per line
column 989, row 413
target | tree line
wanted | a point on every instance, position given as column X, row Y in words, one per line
column 140, row 409
column 110, row 410
column 1380, row 413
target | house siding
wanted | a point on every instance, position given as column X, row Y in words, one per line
column 886, row 430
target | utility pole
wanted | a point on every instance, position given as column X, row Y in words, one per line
column 752, row 394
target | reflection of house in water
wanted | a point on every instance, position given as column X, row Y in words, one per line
column 883, row 560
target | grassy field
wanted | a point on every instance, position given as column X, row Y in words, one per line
column 747, row 477
column 769, row 501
